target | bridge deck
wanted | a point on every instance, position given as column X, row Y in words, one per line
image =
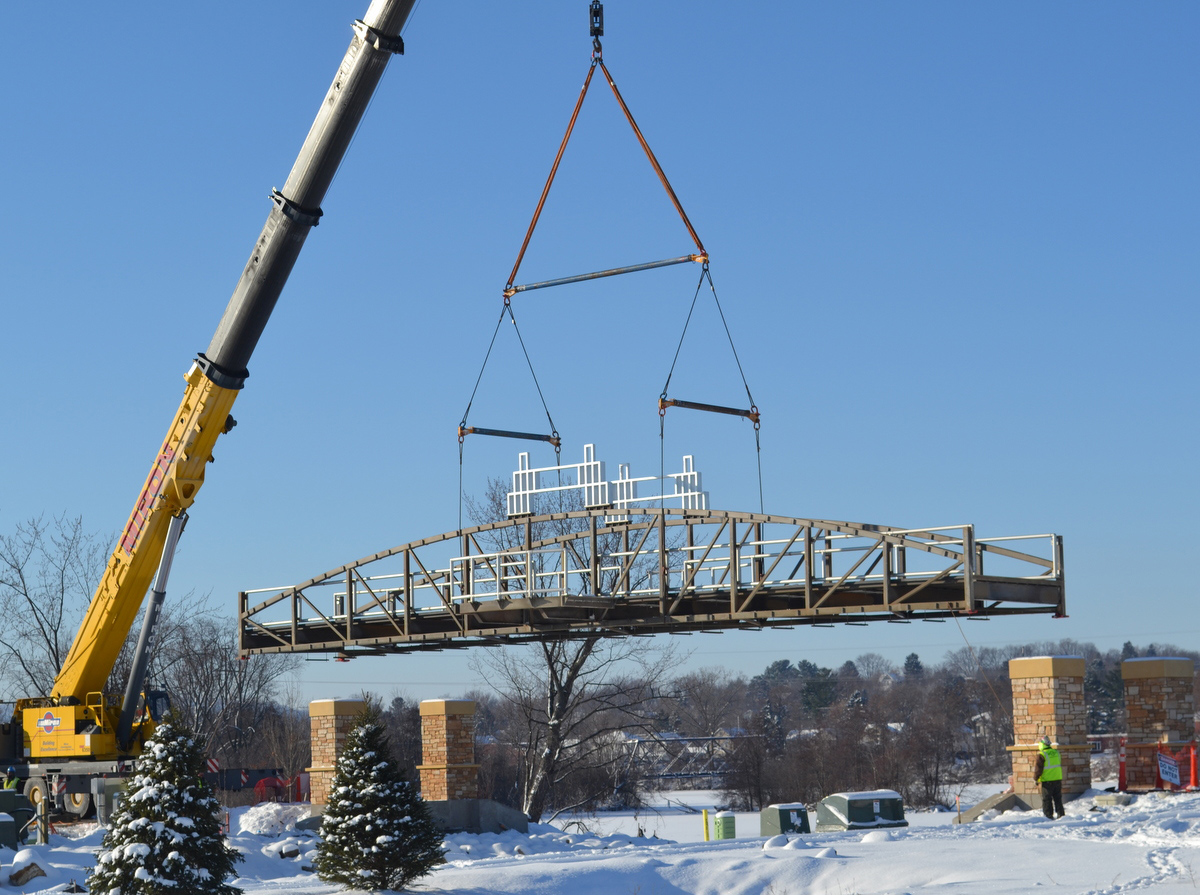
column 570, row 575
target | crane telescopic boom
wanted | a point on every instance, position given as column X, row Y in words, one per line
column 89, row 730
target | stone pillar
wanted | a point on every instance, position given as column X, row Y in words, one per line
column 1048, row 701
column 448, row 768
column 1159, row 705
column 329, row 722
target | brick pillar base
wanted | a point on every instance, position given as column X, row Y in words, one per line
column 330, row 720
column 1048, row 701
column 448, row 769
column 1159, row 705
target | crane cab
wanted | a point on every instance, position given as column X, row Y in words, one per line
column 88, row 731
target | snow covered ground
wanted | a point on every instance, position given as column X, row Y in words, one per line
column 1153, row 843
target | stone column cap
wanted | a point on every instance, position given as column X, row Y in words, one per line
column 320, row 707
column 447, row 707
column 1047, row 666
column 1157, row 666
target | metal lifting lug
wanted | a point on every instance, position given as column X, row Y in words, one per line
column 393, row 45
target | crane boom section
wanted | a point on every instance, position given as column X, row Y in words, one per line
column 171, row 486
column 298, row 204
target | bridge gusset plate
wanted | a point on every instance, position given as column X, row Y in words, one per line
column 572, row 575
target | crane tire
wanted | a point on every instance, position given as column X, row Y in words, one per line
column 78, row 804
column 36, row 791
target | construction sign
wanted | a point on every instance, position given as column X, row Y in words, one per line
column 1168, row 769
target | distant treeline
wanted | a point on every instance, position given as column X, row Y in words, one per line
column 797, row 731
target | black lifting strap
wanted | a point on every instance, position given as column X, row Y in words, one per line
column 664, row 402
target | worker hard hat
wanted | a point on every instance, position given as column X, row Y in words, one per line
column 11, row 771
column 1045, row 741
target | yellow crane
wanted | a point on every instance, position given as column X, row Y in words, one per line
column 77, row 731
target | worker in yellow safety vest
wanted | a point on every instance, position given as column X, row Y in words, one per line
column 11, row 781
column 1047, row 771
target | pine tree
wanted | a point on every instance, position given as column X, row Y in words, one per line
column 164, row 835
column 377, row 832
column 913, row 666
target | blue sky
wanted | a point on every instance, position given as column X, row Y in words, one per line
column 957, row 245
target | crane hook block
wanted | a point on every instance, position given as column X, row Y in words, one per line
column 596, row 19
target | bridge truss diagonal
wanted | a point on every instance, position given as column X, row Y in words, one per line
column 580, row 574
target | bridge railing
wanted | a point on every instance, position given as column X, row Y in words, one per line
column 548, row 572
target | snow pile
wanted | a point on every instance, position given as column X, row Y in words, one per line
column 50, row 876
column 23, row 859
column 880, row 836
column 541, row 839
column 271, row 818
column 1152, row 844
column 292, row 849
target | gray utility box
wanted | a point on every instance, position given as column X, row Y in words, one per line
column 860, row 811
column 16, row 812
column 106, row 794
column 791, row 817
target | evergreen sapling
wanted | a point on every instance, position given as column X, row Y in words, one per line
column 164, row 835
column 377, row 832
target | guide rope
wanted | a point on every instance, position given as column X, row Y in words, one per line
column 982, row 673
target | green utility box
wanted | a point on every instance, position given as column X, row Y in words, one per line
column 861, row 811
column 16, row 812
column 791, row 817
column 725, row 825
column 8, row 832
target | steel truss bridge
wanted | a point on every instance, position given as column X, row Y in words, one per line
column 667, row 756
column 586, row 573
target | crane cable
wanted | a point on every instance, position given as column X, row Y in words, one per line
column 597, row 61
column 664, row 402
column 510, row 289
column 464, row 430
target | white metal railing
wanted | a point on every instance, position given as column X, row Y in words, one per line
column 590, row 480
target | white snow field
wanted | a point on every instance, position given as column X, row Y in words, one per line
column 1152, row 844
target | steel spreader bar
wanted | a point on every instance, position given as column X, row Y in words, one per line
column 464, row 431
column 611, row 272
column 752, row 414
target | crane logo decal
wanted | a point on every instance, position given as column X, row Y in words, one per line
column 48, row 723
